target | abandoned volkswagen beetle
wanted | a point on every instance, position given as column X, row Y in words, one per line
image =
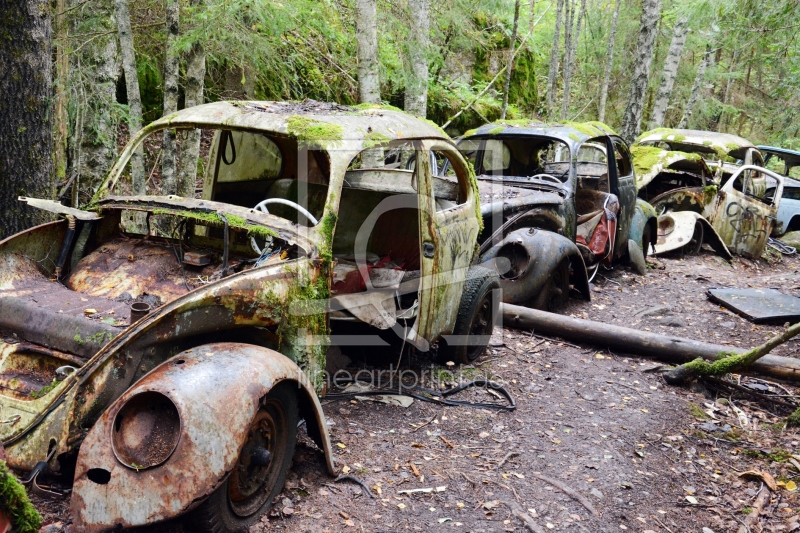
column 313, row 219
column 554, row 204
column 709, row 188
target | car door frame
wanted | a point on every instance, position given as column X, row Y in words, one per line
column 624, row 187
column 447, row 245
column 744, row 222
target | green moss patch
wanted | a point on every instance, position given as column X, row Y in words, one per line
column 313, row 132
column 214, row 219
column 374, row 139
column 384, row 107
column 15, row 504
column 44, row 391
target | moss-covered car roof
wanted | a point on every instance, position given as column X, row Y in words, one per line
column 307, row 120
column 569, row 132
column 721, row 143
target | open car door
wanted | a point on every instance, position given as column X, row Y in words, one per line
column 746, row 209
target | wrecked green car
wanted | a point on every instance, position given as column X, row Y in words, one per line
column 709, row 188
column 163, row 348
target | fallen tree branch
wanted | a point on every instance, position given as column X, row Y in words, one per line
column 517, row 511
column 758, row 506
column 505, row 459
column 644, row 343
column 750, row 392
column 569, row 492
column 733, row 362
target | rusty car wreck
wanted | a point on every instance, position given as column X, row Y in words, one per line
column 556, row 205
column 192, row 405
column 707, row 187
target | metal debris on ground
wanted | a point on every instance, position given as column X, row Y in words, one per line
column 758, row 305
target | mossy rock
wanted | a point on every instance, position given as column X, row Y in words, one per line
column 15, row 504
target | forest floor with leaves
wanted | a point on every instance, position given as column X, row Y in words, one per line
column 598, row 441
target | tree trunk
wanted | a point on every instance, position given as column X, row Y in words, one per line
column 568, row 15
column 569, row 70
column 698, row 84
column 634, row 341
column 601, row 108
column 369, row 89
column 416, row 93
column 94, row 71
column 190, row 139
column 553, row 72
column 171, row 67
column 61, row 99
column 132, row 90
column 26, row 124
column 510, row 61
column 670, row 72
column 240, row 82
column 631, row 119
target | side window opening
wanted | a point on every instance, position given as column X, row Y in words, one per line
column 592, row 166
column 448, row 185
column 379, row 197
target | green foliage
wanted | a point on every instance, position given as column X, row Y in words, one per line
column 15, row 504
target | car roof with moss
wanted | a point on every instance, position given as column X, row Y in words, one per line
column 721, row 143
column 308, row 120
column 569, row 132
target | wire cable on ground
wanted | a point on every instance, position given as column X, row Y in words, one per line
column 434, row 396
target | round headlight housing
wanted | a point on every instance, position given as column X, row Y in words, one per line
column 517, row 257
column 146, row 430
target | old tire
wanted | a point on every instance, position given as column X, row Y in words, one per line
column 255, row 481
column 554, row 295
column 477, row 312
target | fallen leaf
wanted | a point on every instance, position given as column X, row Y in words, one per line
column 346, row 469
column 768, row 480
column 340, row 445
column 791, row 486
column 90, row 311
column 691, row 499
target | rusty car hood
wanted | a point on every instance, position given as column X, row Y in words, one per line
column 650, row 161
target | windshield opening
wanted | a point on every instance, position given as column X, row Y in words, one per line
column 522, row 157
column 252, row 169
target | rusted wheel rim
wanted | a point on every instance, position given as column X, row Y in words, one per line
column 481, row 326
column 250, row 484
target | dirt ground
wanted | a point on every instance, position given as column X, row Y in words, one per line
column 598, row 441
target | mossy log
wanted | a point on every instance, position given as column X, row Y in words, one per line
column 732, row 363
column 644, row 343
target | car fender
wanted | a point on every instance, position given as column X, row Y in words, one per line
column 677, row 227
column 644, row 215
column 788, row 217
column 538, row 252
column 217, row 389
